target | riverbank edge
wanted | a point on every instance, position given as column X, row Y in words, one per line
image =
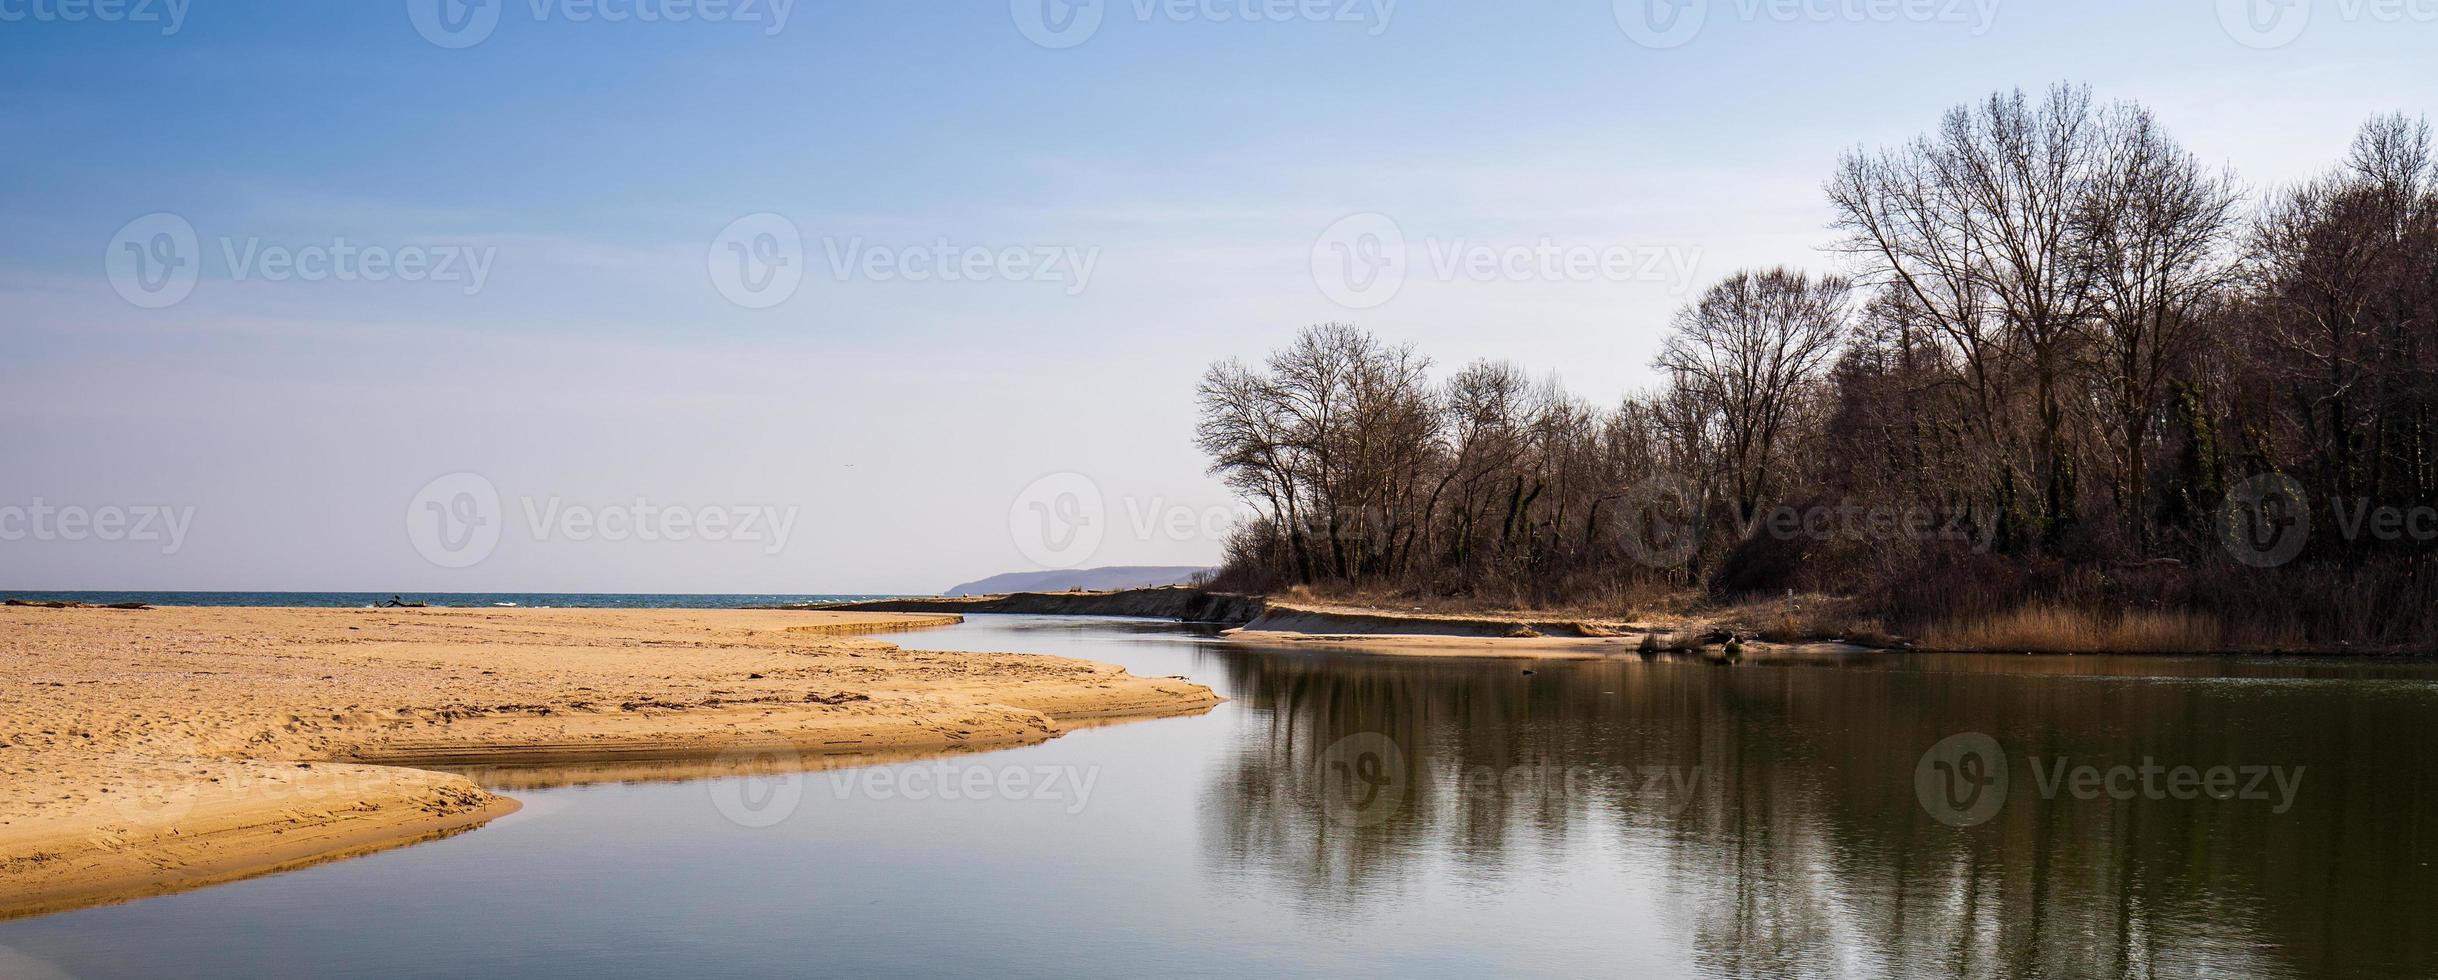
column 356, row 803
column 1266, row 616
column 1273, row 620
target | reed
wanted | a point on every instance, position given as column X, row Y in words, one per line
column 2045, row 628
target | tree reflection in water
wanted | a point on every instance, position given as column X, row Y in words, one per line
column 1774, row 805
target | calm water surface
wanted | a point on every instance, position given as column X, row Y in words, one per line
column 1348, row 815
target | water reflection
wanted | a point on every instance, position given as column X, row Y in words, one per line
column 1352, row 815
column 1775, row 806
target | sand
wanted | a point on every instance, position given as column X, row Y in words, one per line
column 1532, row 648
column 150, row 751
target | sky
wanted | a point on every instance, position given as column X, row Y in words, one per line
column 852, row 296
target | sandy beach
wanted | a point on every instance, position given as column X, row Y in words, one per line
column 150, row 751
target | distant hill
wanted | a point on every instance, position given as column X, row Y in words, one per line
column 1088, row 579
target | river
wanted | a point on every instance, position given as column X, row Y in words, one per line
column 1355, row 815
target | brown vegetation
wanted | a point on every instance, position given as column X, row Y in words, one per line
column 2071, row 383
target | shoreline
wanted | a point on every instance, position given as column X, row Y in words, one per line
column 1273, row 621
column 173, row 748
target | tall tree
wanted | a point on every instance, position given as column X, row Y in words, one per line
column 1749, row 351
column 1976, row 222
column 2154, row 228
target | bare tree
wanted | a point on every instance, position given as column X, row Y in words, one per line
column 1749, row 351
column 2048, row 292
column 2154, row 229
column 1243, row 429
column 1977, row 223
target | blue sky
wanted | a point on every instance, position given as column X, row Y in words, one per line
column 1197, row 162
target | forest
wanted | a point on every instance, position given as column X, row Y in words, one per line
column 2063, row 385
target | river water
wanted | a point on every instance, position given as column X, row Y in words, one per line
column 1355, row 815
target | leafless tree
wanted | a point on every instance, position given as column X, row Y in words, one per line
column 1976, row 222
column 1749, row 351
column 2155, row 230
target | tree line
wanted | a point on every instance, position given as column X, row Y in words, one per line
column 2056, row 346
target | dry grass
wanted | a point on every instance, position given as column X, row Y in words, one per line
column 2058, row 629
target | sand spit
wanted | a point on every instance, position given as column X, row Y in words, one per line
column 1181, row 603
column 1266, row 617
column 149, row 751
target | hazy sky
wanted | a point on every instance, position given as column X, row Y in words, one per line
column 580, row 295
